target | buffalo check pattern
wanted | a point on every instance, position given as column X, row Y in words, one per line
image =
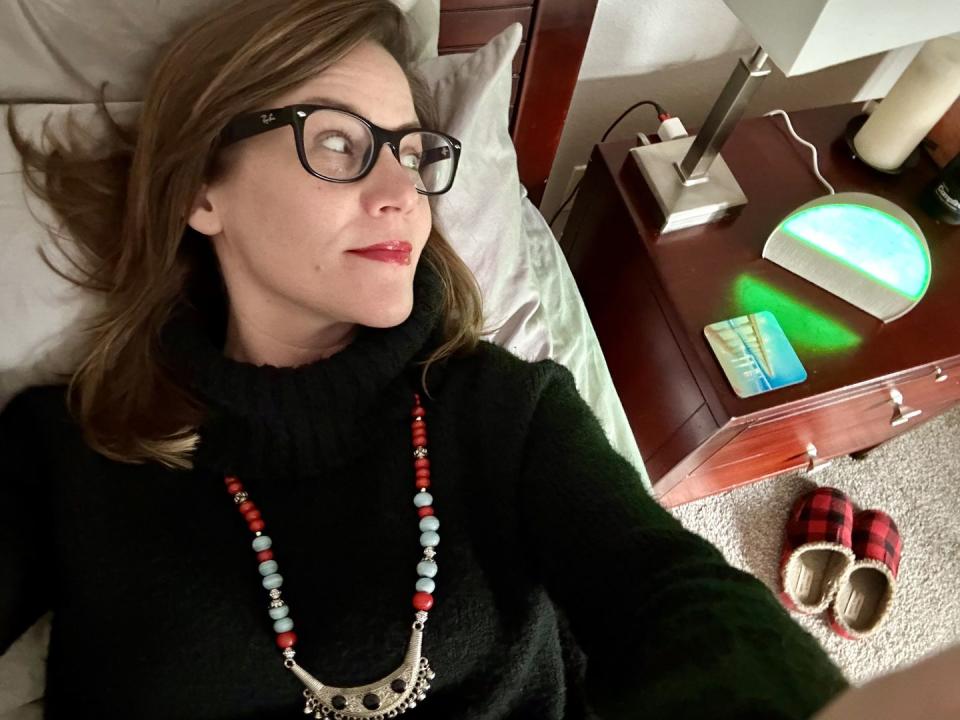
column 877, row 545
column 820, row 519
column 824, row 514
column 876, row 536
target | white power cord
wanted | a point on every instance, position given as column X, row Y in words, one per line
column 816, row 167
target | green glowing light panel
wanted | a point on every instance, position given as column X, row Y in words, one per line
column 860, row 247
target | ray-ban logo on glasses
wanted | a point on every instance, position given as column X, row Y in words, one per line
column 267, row 118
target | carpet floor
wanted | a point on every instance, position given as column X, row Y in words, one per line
column 916, row 479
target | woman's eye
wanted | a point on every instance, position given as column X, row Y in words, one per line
column 336, row 143
column 411, row 160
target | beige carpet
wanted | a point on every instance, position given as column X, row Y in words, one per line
column 916, row 479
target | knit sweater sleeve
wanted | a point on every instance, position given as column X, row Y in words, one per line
column 24, row 529
column 670, row 629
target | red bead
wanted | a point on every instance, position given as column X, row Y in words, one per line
column 264, row 555
column 423, row 601
column 234, row 487
column 245, row 506
column 287, row 639
column 424, row 511
column 229, row 479
column 251, row 515
column 423, row 472
column 421, row 463
column 418, row 412
column 423, row 483
column 419, row 440
column 256, row 525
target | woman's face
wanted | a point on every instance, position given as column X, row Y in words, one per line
column 283, row 237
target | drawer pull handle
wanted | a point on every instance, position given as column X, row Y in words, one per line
column 901, row 413
column 940, row 376
column 812, row 466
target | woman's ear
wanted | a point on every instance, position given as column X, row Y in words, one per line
column 204, row 217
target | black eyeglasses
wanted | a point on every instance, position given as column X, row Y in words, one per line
column 340, row 146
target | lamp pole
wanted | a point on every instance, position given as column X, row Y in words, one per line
column 726, row 111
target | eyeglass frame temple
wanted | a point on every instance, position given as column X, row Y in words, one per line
column 261, row 121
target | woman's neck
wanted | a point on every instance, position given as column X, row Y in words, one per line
column 260, row 341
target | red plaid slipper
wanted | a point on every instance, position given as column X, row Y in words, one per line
column 817, row 549
column 866, row 589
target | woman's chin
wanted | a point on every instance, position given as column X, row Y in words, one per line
column 388, row 316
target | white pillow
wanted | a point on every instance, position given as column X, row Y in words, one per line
column 62, row 50
column 480, row 215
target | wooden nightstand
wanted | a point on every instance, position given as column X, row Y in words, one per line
column 650, row 296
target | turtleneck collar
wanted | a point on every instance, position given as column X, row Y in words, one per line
column 268, row 421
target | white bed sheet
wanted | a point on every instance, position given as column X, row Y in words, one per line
column 571, row 339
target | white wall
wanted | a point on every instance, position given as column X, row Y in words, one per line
column 680, row 53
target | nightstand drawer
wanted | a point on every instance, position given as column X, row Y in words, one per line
column 836, row 428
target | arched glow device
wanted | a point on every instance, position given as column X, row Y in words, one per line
column 860, row 247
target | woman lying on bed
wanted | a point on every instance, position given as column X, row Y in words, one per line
column 235, row 507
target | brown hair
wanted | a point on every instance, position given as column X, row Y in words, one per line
column 126, row 208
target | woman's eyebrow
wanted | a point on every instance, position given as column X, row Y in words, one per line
column 341, row 105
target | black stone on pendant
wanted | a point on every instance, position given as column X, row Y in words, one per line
column 398, row 685
column 339, row 702
column 371, row 701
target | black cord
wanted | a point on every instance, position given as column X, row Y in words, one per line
column 660, row 111
column 656, row 106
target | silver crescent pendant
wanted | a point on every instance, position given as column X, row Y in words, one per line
column 387, row 697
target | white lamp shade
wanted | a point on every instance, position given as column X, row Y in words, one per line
column 806, row 35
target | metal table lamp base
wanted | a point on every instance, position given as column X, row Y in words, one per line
column 694, row 203
column 689, row 179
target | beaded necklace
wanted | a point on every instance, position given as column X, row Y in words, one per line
column 392, row 694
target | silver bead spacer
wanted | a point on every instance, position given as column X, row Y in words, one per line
column 419, row 417
column 275, row 593
column 258, row 533
column 421, row 616
column 289, row 653
column 241, row 497
column 420, row 452
column 429, row 552
column 276, row 602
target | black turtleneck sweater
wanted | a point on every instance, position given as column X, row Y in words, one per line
column 561, row 583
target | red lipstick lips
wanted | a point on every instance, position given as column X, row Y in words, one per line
column 392, row 251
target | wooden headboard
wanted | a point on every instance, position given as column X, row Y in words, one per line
column 545, row 68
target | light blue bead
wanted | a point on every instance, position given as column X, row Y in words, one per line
column 283, row 625
column 423, row 499
column 279, row 612
column 426, row 585
column 427, row 568
column 273, row 581
column 430, row 522
column 429, row 539
column 262, row 543
column 268, row 567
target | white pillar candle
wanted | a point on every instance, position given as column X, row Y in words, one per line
column 920, row 97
